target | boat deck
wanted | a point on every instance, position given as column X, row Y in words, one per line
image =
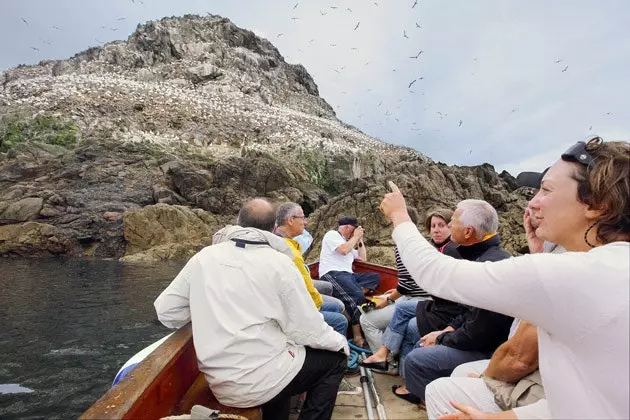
column 353, row 406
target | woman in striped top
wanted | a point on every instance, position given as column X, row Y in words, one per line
column 404, row 298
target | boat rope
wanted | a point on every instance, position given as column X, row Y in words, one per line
column 353, row 360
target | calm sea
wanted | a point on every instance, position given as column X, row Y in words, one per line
column 66, row 327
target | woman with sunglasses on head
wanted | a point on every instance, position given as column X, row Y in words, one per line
column 579, row 299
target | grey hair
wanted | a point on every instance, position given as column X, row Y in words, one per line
column 285, row 211
column 480, row 215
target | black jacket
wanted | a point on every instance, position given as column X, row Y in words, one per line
column 436, row 314
column 478, row 329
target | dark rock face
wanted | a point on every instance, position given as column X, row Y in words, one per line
column 167, row 133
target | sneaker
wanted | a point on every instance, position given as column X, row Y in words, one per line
column 346, row 388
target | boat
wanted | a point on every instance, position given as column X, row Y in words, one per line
column 167, row 381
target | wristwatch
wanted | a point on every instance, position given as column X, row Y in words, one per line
column 390, row 301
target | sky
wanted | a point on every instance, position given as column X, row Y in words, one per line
column 512, row 83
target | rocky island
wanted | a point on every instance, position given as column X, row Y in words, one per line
column 141, row 149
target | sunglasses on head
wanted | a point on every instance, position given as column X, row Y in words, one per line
column 579, row 152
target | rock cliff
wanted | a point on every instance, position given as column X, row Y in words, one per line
column 142, row 148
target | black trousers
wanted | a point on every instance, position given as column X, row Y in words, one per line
column 319, row 378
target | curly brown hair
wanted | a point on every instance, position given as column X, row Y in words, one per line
column 444, row 214
column 604, row 185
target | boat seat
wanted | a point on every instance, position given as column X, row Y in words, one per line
column 200, row 393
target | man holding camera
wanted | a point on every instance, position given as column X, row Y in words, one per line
column 340, row 248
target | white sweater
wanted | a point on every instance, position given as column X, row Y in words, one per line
column 251, row 318
column 578, row 300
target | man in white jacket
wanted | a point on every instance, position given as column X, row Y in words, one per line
column 258, row 336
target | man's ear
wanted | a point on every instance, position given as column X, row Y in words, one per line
column 469, row 232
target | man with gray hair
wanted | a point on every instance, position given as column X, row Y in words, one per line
column 474, row 334
column 290, row 222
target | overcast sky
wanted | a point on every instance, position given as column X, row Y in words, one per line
column 526, row 78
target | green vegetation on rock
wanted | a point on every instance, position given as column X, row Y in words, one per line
column 43, row 128
column 316, row 168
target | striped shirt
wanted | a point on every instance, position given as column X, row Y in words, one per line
column 407, row 285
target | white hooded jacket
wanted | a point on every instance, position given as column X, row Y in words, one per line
column 251, row 316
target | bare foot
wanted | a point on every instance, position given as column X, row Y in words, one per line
column 401, row 390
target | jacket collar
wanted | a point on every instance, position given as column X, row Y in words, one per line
column 472, row 252
column 232, row 232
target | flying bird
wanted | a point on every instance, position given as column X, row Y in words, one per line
column 322, row 13
column 565, row 69
column 415, row 3
column 357, row 27
column 590, row 128
column 44, row 41
column 405, row 34
column 311, row 41
column 376, row 4
column 333, row 45
column 354, row 49
column 417, row 55
column 279, row 35
column 296, row 5
column 411, row 84
column 379, row 104
column 122, row 18
column 460, row 123
column 349, row 9
column 113, row 29
column 34, row 48
column 558, row 61
column 57, row 28
column 294, row 18
column 334, row 7
column 418, row 26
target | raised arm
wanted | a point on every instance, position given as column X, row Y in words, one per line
column 528, row 287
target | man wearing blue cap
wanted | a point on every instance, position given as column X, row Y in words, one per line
column 340, row 247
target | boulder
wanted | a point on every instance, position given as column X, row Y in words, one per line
column 165, row 226
column 23, row 210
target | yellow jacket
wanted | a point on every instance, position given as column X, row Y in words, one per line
column 298, row 260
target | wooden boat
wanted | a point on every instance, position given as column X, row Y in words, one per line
column 168, row 381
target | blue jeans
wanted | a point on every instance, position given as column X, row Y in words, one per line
column 426, row 364
column 397, row 328
column 410, row 341
column 352, row 283
column 334, row 317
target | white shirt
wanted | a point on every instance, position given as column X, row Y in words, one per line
column 251, row 318
column 578, row 300
column 330, row 259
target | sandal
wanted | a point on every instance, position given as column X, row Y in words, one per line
column 407, row 397
column 381, row 366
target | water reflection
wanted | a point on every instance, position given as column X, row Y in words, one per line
column 68, row 325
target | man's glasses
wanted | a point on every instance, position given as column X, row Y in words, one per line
column 300, row 217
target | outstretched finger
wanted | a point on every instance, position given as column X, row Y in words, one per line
column 393, row 187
